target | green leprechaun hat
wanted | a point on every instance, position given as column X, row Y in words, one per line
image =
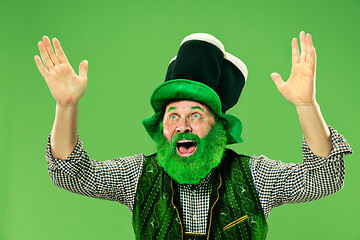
column 202, row 71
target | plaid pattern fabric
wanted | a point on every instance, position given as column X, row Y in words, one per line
column 276, row 182
column 195, row 201
column 114, row 180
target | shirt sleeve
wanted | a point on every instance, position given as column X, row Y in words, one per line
column 114, row 180
column 278, row 183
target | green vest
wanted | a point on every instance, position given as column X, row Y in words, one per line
column 235, row 214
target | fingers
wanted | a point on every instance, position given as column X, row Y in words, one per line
column 295, row 51
column 277, row 79
column 49, row 57
column 59, row 51
column 303, row 46
column 308, row 42
column 307, row 53
column 45, row 56
column 40, row 66
column 50, row 50
column 311, row 54
column 83, row 69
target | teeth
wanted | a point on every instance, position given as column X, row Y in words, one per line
column 185, row 141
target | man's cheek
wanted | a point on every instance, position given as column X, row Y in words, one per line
column 167, row 134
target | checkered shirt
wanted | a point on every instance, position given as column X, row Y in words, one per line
column 276, row 182
column 194, row 202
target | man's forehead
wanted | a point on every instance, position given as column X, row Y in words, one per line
column 185, row 104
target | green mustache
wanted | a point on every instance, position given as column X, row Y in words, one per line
column 185, row 136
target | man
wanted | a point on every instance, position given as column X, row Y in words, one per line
column 194, row 188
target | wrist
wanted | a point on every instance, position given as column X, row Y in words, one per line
column 69, row 105
column 67, row 110
column 302, row 105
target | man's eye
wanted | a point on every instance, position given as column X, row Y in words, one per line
column 173, row 117
column 196, row 115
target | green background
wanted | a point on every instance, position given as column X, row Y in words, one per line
column 128, row 46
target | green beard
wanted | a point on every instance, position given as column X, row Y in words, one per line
column 194, row 168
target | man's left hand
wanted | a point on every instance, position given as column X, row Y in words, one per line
column 299, row 89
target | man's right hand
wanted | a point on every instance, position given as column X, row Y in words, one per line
column 65, row 85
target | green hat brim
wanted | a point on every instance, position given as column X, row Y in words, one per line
column 184, row 89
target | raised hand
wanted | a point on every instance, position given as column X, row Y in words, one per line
column 300, row 87
column 65, row 85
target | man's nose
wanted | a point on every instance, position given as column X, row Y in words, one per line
column 183, row 126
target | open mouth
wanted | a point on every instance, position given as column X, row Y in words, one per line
column 185, row 148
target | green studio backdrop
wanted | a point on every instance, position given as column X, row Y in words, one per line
column 128, row 45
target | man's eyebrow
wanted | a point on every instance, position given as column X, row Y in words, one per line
column 171, row 108
column 197, row 107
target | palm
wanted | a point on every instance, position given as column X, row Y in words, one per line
column 300, row 87
column 65, row 85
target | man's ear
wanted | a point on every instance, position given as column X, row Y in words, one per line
column 161, row 119
column 161, row 126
